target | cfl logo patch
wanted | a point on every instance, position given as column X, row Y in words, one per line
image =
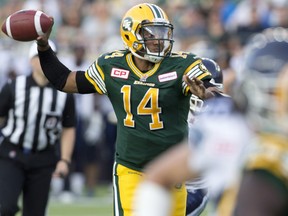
column 120, row 73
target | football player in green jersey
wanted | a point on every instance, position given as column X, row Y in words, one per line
column 149, row 87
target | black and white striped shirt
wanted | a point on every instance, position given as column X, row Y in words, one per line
column 35, row 115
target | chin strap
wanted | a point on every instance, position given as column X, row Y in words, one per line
column 153, row 59
column 150, row 56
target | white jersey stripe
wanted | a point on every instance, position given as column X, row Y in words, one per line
column 195, row 74
column 99, row 78
column 93, row 73
column 194, row 71
column 46, row 107
column 32, row 116
column 7, row 130
column 19, row 108
column 93, row 76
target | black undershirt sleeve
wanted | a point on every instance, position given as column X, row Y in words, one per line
column 83, row 85
column 54, row 70
column 57, row 73
column 69, row 112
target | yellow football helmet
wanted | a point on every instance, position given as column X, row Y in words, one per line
column 147, row 32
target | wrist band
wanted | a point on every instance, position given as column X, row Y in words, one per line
column 42, row 45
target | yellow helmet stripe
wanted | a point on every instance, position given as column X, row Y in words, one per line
column 157, row 11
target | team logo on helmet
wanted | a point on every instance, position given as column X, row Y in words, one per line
column 127, row 24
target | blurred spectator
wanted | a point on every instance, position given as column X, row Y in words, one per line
column 98, row 24
column 229, row 75
column 6, row 69
column 279, row 13
column 50, row 7
column 242, row 14
column 252, row 27
column 215, row 28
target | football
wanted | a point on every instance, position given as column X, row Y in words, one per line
column 26, row 25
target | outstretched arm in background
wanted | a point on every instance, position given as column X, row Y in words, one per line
column 153, row 197
column 67, row 146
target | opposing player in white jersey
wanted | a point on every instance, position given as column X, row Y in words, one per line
column 197, row 189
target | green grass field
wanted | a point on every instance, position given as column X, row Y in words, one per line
column 83, row 207
column 100, row 205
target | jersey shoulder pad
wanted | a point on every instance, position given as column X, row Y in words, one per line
column 183, row 58
column 109, row 57
column 184, row 55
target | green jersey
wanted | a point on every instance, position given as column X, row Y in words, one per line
column 151, row 107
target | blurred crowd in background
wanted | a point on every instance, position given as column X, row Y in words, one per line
column 84, row 29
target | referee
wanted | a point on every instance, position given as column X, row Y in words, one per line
column 34, row 119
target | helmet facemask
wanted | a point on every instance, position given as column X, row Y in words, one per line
column 196, row 104
column 154, row 40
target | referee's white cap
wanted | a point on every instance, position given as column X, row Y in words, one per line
column 34, row 52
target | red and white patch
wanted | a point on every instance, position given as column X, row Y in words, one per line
column 120, row 73
column 167, row 76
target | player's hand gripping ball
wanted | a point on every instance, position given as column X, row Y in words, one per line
column 26, row 25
